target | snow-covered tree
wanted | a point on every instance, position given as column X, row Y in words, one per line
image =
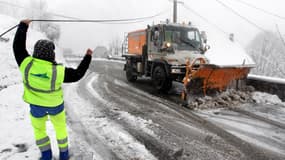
column 39, row 11
column 51, row 30
column 115, row 46
column 100, row 52
column 268, row 51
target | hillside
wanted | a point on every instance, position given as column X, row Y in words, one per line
column 16, row 137
column 268, row 51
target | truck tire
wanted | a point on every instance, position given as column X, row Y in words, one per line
column 130, row 74
column 160, row 79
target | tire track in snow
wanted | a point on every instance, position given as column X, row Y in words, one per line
column 159, row 148
column 258, row 117
column 124, row 145
column 99, row 148
column 252, row 152
column 252, row 130
column 206, row 143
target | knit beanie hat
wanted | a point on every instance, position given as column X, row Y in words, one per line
column 44, row 49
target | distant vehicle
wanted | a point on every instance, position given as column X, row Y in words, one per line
column 109, row 56
column 175, row 52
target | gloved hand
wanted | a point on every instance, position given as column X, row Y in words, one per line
column 89, row 52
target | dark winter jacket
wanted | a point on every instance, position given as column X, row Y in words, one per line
column 20, row 52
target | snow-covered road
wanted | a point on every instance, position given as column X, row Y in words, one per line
column 132, row 121
column 110, row 119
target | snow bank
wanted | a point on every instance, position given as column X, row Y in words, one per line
column 9, row 71
column 16, row 127
column 138, row 122
column 227, row 99
column 16, row 137
column 232, row 98
column 266, row 98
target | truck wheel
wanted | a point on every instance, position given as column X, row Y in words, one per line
column 130, row 75
column 160, row 79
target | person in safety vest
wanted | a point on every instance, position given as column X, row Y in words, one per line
column 43, row 79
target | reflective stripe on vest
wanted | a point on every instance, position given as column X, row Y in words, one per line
column 42, row 82
column 53, row 80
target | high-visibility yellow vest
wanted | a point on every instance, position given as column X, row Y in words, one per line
column 42, row 82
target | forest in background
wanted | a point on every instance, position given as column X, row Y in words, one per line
column 268, row 51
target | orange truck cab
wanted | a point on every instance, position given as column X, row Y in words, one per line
column 175, row 52
column 161, row 51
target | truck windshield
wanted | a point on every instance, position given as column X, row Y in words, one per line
column 183, row 38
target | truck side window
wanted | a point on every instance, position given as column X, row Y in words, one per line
column 156, row 37
column 176, row 37
column 192, row 35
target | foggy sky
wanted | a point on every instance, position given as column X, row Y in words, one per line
column 81, row 36
column 99, row 34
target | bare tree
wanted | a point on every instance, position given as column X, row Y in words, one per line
column 39, row 11
column 115, row 46
column 268, row 52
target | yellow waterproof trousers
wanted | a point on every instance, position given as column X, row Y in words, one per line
column 59, row 124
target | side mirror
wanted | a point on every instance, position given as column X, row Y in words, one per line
column 156, row 35
column 205, row 49
column 204, row 36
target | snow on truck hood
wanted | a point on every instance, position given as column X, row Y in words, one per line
column 224, row 52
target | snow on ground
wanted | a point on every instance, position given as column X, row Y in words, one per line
column 16, row 127
column 266, row 98
column 8, row 64
column 14, row 113
column 134, row 121
column 16, row 137
column 251, row 130
column 112, row 134
column 138, row 121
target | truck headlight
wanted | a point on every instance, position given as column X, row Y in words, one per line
column 175, row 70
column 168, row 45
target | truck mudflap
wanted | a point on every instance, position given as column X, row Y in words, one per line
column 201, row 77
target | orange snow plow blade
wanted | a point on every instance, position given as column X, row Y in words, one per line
column 211, row 77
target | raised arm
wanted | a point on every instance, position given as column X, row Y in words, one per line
column 19, row 44
column 73, row 75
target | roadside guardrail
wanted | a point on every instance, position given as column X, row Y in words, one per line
column 267, row 84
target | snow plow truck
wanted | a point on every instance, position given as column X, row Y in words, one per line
column 175, row 52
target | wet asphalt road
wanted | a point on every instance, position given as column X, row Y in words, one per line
column 176, row 132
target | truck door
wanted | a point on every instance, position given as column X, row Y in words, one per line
column 154, row 40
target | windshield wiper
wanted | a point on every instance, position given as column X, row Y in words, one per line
column 189, row 43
